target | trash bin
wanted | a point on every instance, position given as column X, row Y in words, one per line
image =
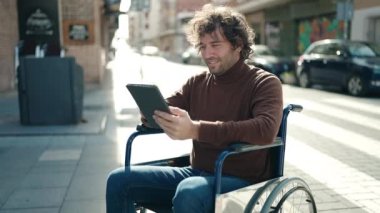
column 50, row 90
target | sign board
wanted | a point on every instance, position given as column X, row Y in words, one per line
column 344, row 10
column 78, row 32
column 38, row 21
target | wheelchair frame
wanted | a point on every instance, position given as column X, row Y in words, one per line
column 274, row 193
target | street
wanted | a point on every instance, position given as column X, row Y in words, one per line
column 333, row 144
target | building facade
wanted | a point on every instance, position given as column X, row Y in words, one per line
column 168, row 17
column 365, row 23
column 8, row 42
column 82, row 28
column 288, row 26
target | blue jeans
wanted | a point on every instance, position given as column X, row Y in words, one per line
column 184, row 189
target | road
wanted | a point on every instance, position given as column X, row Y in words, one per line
column 334, row 143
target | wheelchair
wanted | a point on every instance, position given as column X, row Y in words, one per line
column 277, row 194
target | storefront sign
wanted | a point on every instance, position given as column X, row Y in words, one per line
column 38, row 20
column 78, row 32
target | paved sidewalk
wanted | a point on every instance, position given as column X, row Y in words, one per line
column 58, row 168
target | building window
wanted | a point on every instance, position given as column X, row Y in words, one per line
column 272, row 33
column 257, row 29
column 374, row 30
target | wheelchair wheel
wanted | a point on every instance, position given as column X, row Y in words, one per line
column 258, row 199
column 290, row 195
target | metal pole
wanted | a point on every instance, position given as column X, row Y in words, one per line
column 345, row 33
column 348, row 9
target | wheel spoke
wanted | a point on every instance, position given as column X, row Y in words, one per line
column 356, row 86
column 291, row 195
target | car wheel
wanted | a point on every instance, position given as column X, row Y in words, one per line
column 356, row 86
column 304, row 80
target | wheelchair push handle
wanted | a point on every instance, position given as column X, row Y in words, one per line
column 295, row 107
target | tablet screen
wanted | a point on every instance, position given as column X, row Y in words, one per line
column 148, row 98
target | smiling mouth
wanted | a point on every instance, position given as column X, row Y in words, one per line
column 212, row 62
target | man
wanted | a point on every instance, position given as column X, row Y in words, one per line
column 230, row 102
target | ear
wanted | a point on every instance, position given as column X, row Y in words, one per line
column 239, row 45
column 238, row 48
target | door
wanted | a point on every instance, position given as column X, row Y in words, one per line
column 315, row 62
column 334, row 65
column 374, row 30
column 328, row 64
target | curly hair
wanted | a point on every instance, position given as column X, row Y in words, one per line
column 231, row 24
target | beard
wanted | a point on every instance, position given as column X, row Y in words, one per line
column 214, row 65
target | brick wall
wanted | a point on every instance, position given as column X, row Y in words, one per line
column 89, row 56
column 361, row 4
column 8, row 40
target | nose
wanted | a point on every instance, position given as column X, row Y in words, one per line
column 207, row 52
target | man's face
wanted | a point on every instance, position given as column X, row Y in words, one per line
column 218, row 52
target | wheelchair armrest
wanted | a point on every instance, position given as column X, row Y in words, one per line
column 238, row 148
column 147, row 130
column 245, row 147
column 140, row 130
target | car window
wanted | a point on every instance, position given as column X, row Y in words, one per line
column 320, row 49
column 335, row 49
column 375, row 47
column 361, row 50
column 332, row 49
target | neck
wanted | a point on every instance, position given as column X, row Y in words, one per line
column 233, row 73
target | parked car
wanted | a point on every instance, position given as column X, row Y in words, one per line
column 265, row 58
column 351, row 65
column 192, row 56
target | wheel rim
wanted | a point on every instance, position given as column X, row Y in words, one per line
column 296, row 200
column 258, row 199
column 291, row 195
column 304, row 80
column 355, row 85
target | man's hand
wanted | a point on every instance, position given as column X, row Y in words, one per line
column 177, row 125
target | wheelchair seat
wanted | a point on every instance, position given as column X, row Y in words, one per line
column 276, row 159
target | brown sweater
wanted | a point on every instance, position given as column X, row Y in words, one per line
column 241, row 105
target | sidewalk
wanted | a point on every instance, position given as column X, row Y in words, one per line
column 58, row 168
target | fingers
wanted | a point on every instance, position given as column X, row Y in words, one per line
column 165, row 120
column 164, row 115
column 176, row 111
column 177, row 125
column 167, row 126
column 170, row 123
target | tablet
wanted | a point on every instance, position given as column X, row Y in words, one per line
column 148, row 98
